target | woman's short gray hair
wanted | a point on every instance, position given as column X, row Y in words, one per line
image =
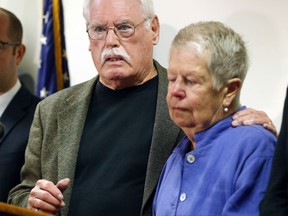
column 224, row 50
column 146, row 7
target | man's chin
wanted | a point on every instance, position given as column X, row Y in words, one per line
column 114, row 75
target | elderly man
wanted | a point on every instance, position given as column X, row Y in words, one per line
column 104, row 142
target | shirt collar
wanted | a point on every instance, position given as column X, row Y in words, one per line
column 6, row 98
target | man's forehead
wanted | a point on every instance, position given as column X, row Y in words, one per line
column 102, row 8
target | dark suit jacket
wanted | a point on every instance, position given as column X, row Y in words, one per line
column 56, row 133
column 17, row 119
column 275, row 202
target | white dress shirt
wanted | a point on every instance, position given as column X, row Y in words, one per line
column 6, row 98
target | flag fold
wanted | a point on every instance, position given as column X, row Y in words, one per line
column 53, row 73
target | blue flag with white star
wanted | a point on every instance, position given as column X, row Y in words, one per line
column 53, row 74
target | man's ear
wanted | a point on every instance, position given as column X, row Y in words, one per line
column 155, row 27
column 20, row 51
column 232, row 88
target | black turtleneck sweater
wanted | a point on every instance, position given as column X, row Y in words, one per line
column 114, row 150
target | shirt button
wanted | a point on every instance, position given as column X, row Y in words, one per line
column 190, row 158
column 183, row 197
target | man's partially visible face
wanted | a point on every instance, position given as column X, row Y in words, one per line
column 8, row 68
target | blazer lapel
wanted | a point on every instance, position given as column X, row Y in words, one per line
column 15, row 111
column 10, row 119
column 165, row 136
column 71, row 124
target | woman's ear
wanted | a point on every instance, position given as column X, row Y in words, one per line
column 233, row 87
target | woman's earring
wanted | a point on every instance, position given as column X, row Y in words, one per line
column 225, row 109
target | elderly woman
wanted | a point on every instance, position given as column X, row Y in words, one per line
column 216, row 169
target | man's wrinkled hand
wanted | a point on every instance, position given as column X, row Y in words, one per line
column 48, row 197
column 250, row 116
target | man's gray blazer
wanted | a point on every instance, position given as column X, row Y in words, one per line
column 55, row 137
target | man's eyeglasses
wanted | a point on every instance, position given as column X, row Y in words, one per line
column 4, row 44
column 123, row 30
